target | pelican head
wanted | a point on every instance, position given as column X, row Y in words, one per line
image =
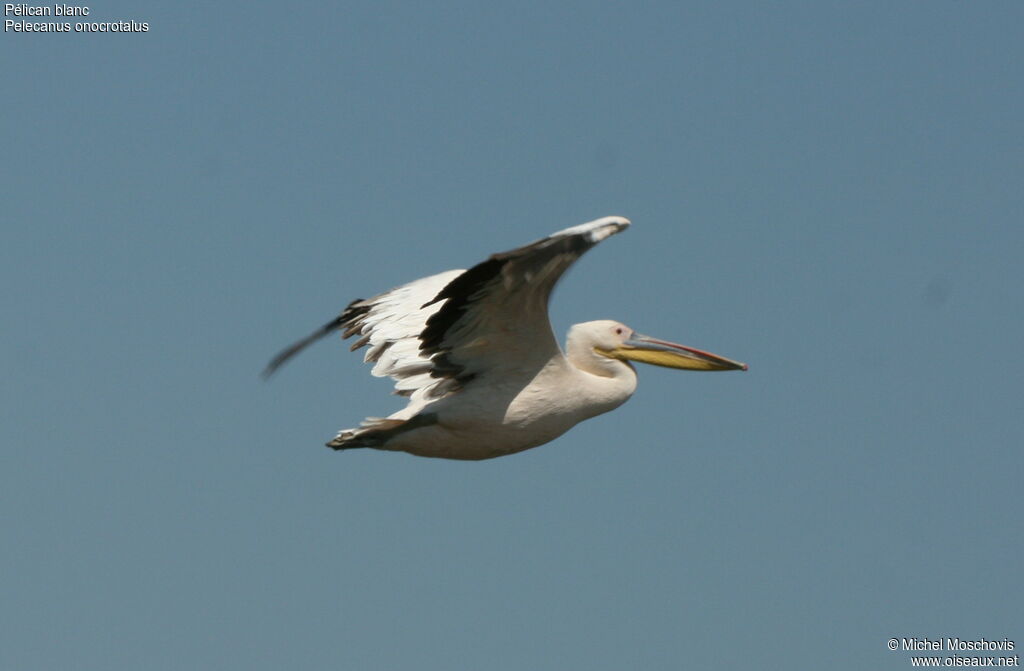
column 612, row 340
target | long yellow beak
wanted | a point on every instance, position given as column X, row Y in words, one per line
column 662, row 353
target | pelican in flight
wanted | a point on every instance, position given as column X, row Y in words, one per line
column 474, row 353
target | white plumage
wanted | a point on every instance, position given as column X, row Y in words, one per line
column 474, row 353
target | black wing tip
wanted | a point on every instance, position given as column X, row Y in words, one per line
column 287, row 353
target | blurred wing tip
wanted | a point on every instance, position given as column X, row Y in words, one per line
column 287, row 353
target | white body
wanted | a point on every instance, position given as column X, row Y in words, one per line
column 515, row 413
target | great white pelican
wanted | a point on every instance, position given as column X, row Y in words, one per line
column 474, row 352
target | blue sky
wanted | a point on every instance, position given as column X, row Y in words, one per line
column 829, row 192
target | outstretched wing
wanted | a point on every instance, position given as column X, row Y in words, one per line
column 495, row 315
column 390, row 323
column 436, row 334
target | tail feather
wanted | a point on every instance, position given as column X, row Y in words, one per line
column 377, row 431
column 373, row 432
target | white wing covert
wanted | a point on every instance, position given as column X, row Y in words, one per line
column 389, row 325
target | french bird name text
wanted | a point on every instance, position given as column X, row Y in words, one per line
column 22, row 9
